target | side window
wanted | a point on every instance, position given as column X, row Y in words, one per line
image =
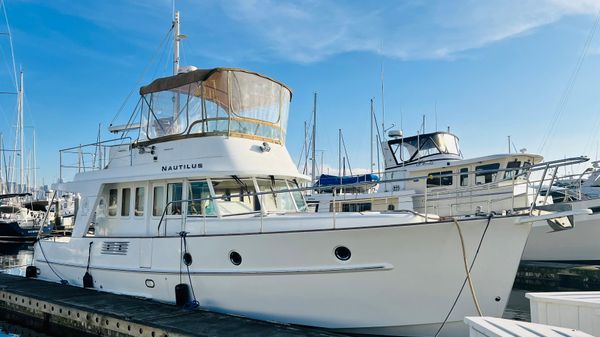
column 198, row 192
column 112, row 202
column 139, row 201
column 358, row 207
column 175, row 194
column 464, row 176
column 488, row 175
column 509, row 174
column 125, row 201
column 439, row 179
column 158, row 201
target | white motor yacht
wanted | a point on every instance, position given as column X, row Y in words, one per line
column 204, row 206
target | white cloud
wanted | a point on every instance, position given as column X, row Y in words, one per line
column 313, row 30
column 310, row 31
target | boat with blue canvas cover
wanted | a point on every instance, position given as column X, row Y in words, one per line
column 355, row 183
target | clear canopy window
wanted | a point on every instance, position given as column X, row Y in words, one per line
column 410, row 149
column 220, row 101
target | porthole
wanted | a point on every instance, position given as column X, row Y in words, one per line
column 149, row 283
column 235, row 258
column 342, row 253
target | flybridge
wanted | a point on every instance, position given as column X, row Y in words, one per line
column 209, row 102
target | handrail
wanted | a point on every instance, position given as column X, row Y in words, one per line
column 526, row 172
column 77, row 150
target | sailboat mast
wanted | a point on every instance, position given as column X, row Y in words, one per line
column 2, row 182
column 176, row 39
column 371, row 136
column 34, row 187
column 314, row 140
column 20, row 126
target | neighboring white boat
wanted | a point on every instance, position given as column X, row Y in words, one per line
column 207, row 199
column 427, row 174
column 498, row 327
column 580, row 244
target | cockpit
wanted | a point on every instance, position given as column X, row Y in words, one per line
column 220, row 101
column 425, row 147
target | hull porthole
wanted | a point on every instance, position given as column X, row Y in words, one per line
column 235, row 258
column 342, row 253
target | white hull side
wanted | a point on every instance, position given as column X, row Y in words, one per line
column 581, row 243
column 400, row 280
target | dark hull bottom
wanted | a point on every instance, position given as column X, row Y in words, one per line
column 12, row 231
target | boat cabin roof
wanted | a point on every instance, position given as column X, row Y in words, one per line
column 198, row 75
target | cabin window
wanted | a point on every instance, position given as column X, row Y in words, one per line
column 439, row 179
column 158, row 202
column 112, row 201
column 198, row 193
column 235, row 196
column 275, row 201
column 464, row 176
column 297, row 195
column 356, row 207
column 509, row 174
column 125, row 201
column 139, row 201
column 174, row 197
column 488, row 174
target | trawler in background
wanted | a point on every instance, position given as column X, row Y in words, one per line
column 207, row 188
column 426, row 173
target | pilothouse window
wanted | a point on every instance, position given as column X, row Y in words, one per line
column 488, row 174
column 158, row 202
column 174, row 197
column 125, row 201
column 235, row 196
column 439, row 179
column 464, row 176
column 139, row 201
column 200, row 204
column 509, row 174
column 275, row 201
column 112, row 202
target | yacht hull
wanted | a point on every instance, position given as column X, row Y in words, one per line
column 579, row 244
column 13, row 231
column 400, row 279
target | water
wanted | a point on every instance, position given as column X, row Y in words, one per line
column 15, row 256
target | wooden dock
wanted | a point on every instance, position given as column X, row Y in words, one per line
column 98, row 313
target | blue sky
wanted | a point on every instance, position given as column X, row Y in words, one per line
column 487, row 69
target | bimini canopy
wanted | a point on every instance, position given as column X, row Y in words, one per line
column 220, row 101
column 428, row 146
